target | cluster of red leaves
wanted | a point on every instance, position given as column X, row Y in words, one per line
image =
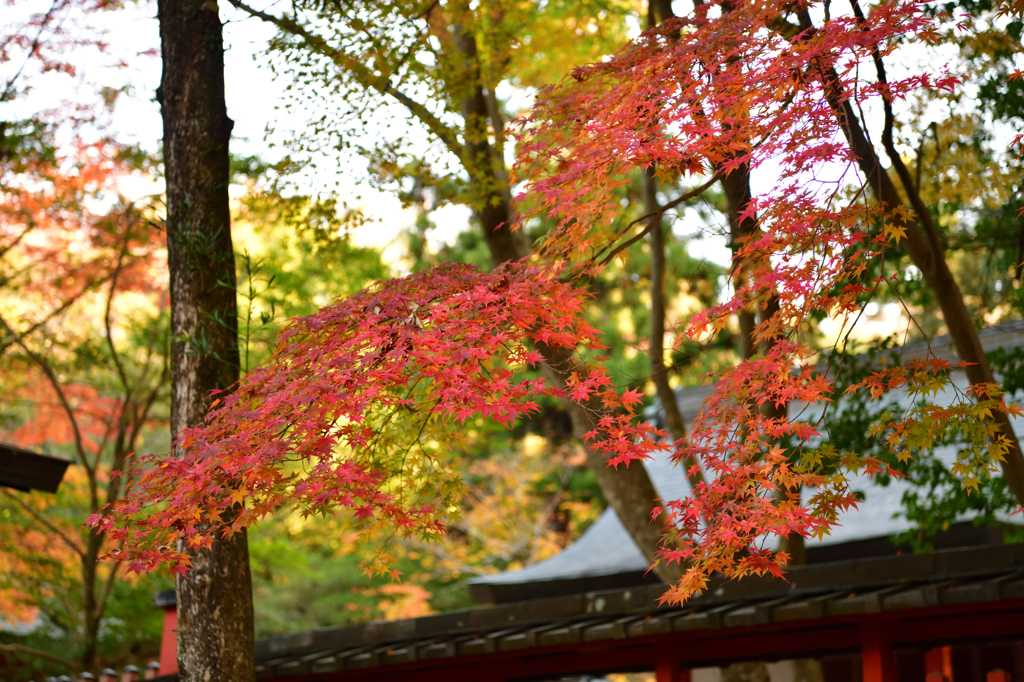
column 738, row 84
column 702, row 94
column 357, row 409
column 361, row 400
column 753, row 488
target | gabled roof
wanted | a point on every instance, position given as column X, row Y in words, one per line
column 26, row 470
column 606, row 549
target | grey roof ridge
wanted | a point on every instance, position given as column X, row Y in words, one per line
column 1007, row 335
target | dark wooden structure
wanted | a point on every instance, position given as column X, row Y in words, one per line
column 879, row 620
column 25, row 470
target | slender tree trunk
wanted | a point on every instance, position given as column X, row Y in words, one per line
column 737, row 195
column 90, row 610
column 215, row 615
column 925, row 250
column 490, row 196
column 674, row 419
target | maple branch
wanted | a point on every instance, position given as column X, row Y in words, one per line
column 362, row 74
column 922, row 245
column 687, row 196
column 43, row 520
column 29, row 651
column 55, row 383
column 924, row 216
column 17, row 240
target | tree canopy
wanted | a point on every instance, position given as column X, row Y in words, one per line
column 394, row 406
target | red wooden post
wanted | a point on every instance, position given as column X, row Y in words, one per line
column 667, row 667
column 169, row 642
column 938, row 664
column 877, row 662
column 933, row 664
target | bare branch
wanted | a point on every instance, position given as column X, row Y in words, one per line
column 654, row 218
column 362, row 74
column 21, row 235
column 29, row 651
column 51, row 376
column 106, row 316
column 9, row 88
column 53, row 313
column 108, row 585
column 43, row 520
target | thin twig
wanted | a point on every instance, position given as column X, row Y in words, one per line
column 654, row 218
column 43, row 520
column 29, row 651
column 55, row 383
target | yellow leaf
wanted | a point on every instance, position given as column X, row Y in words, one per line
column 894, row 232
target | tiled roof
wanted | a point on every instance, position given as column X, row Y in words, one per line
column 965, row 578
column 606, row 549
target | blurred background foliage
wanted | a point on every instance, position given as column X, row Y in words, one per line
column 529, row 492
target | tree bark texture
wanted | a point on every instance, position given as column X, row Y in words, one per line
column 490, row 195
column 215, row 614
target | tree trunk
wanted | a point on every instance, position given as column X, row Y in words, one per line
column 90, row 611
column 675, row 422
column 629, row 490
column 215, row 614
column 925, row 250
column 490, row 196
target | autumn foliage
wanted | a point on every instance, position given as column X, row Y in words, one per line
column 360, row 401
column 358, row 406
column 734, row 86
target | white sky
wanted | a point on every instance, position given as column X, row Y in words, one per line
column 253, row 98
